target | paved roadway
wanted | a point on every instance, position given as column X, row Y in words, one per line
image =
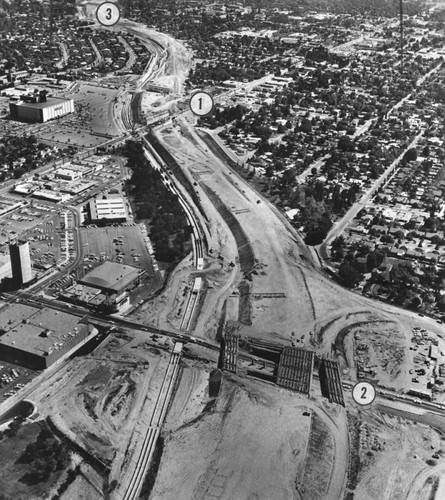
column 340, row 225
column 132, row 56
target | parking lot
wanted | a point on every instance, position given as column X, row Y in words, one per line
column 13, row 378
column 122, row 243
column 23, row 221
column 47, row 241
column 73, row 137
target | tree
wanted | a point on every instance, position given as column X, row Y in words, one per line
column 387, row 238
column 306, row 126
column 315, row 237
column 410, row 155
column 269, row 171
column 349, row 276
column 415, row 303
column 338, row 242
column 371, row 262
column 345, row 143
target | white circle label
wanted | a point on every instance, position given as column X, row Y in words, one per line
column 363, row 393
column 201, row 103
column 108, row 14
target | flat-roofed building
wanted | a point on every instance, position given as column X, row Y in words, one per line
column 67, row 174
column 41, row 112
column 48, row 194
column 36, row 338
column 112, row 277
column 111, row 208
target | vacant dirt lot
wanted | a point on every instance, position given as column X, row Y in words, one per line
column 394, row 458
column 99, row 398
column 254, row 442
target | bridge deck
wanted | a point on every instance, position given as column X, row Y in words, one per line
column 295, row 369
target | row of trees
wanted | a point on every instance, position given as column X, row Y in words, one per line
column 169, row 228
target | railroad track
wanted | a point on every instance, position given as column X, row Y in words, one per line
column 149, row 444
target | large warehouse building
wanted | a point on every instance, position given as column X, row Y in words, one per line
column 41, row 112
column 36, row 338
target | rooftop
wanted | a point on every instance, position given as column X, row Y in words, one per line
column 111, row 276
column 51, row 101
column 37, row 330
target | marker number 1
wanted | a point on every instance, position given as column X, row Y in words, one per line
column 201, row 103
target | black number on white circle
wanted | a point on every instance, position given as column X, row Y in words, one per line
column 201, row 103
column 108, row 14
column 363, row 393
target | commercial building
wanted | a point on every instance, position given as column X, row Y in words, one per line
column 22, row 274
column 41, row 112
column 106, row 288
column 36, row 338
column 112, row 208
column 67, row 174
column 25, row 188
column 112, row 277
column 8, row 205
column 47, row 194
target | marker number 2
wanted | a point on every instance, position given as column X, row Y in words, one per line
column 363, row 393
